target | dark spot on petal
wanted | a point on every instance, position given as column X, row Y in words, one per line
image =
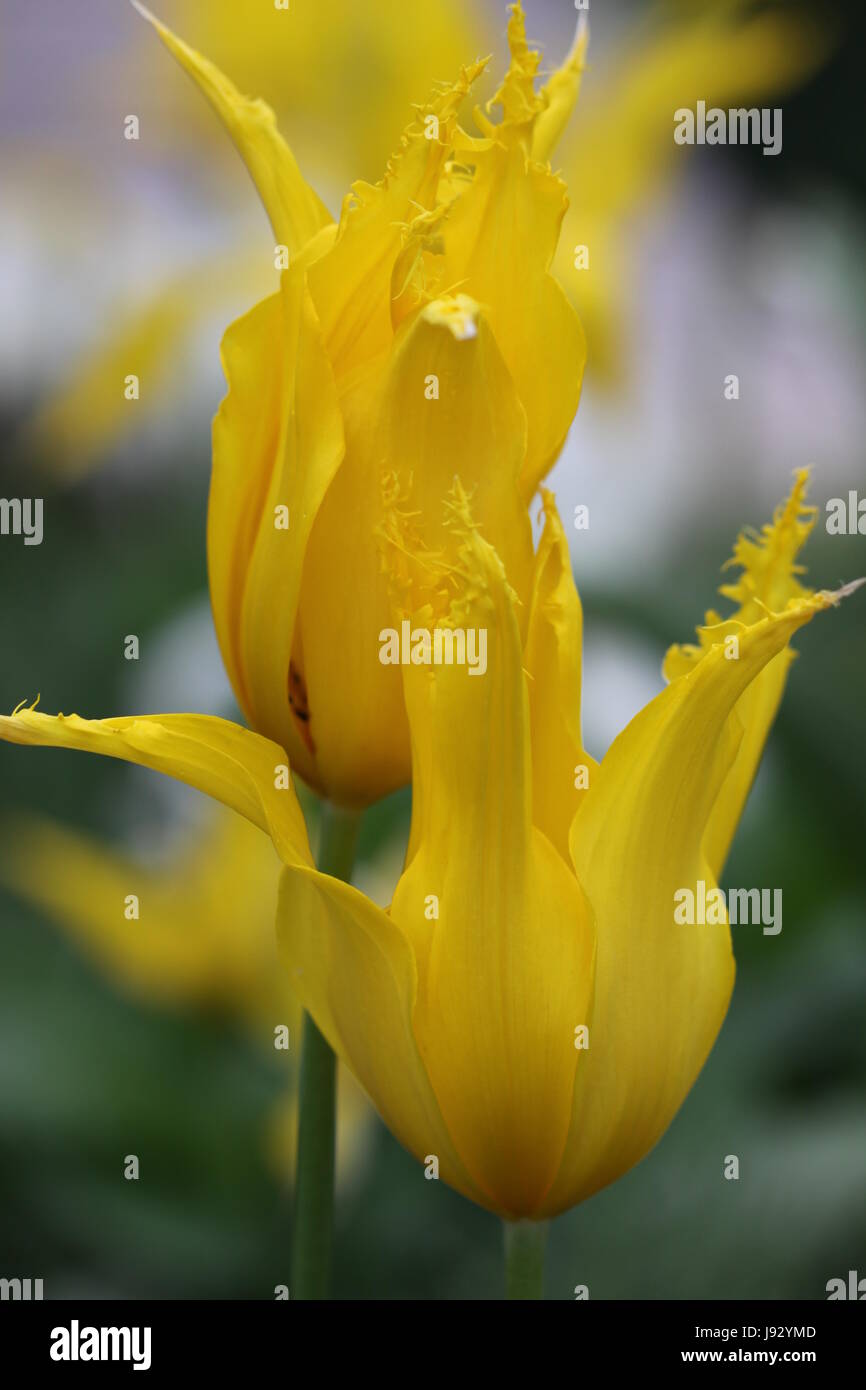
column 300, row 707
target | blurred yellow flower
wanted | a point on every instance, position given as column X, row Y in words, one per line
column 204, row 940
column 622, row 157
column 528, row 1012
column 350, row 66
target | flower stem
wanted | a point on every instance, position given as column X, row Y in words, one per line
column 314, row 1177
column 524, row 1259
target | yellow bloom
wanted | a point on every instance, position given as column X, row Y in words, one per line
column 618, row 155
column 531, row 906
column 402, row 348
column 204, row 940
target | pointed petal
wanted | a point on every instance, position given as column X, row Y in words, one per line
column 353, row 970
column 768, row 582
column 662, row 989
column 560, row 95
column 295, row 210
column 216, row 757
column 516, row 96
column 505, row 971
column 553, row 663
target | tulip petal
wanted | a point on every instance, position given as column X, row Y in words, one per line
column 277, row 444
column 353, row 970
column 561, row 767
column 496, row 243
column 499, row 239
column 296, row 212
column 559, row 95
column 662, row 989
column 351, row 285
column 400, row 442
column 506, row 964
column 769, row 582
column 474, row 426
column 231, row 764
column 516, row 95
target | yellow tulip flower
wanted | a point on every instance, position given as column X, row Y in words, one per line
column 527, row 1012
column 204, row 941
column 402, row 347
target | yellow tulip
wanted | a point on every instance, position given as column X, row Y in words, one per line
column 204, row 941
column 532, row 906
column 402, row 348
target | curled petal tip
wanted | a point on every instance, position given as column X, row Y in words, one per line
column 835, row 596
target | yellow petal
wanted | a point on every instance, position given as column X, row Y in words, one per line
column 277, row 443
column 769, row 582
column 351, row 285
column 410, row 446
column 355, row 704
column 231, row 764
column 517, row 95
column 353, row 970
column 662, row 989
column 561, row 767
column 499, row 239
column 559, row 95
column 474, row 427
column 296, row 212
column 506, row 967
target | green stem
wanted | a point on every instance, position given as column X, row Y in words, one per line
column 314, row 1176
column 524, row 1259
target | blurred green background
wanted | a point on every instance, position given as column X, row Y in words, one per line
column 89, row 1073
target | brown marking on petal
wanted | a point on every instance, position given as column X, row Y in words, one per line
column 300, row 707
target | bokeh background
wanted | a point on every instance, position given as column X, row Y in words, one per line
column 120, row 256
